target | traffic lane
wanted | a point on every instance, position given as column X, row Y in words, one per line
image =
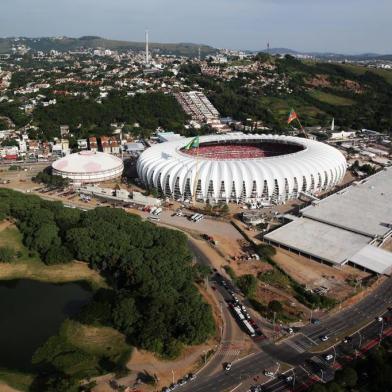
column 241, row 370
column 299, row 375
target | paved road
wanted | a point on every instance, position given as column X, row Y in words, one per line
column 295, row 350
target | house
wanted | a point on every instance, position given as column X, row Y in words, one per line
column 114, row 146
column 105, row 145
column 92, row 142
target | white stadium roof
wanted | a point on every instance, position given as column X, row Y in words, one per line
column 88, row 166
column 315, row 166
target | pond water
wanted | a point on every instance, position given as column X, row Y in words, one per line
column 31, row 312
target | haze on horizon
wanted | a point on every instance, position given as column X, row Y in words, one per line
column 342, row 26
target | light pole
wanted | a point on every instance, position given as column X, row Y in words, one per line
column 311, row 314
column 205, row 356
column 277, row 369
column 381, row 331
column 334, row 356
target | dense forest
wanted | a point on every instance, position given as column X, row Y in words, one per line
column 87, row 117
column 152, row 298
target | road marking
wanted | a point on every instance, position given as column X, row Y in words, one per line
column 236, row 387
column 295, row 346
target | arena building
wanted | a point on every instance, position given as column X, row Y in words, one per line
column 241, row 168
column 88, row 167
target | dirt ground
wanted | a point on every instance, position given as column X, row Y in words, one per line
column 388, row 245
column 314, row 274
column 252, row 267
column 6, row 388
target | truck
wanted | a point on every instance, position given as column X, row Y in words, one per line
column 251, row 331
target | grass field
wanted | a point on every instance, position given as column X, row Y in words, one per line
column 19, row 381
column 280, row 107
column 29, row 266
column 358, row 70
column 331, row 99
column 99, row 341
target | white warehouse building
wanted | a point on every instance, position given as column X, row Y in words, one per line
column 241, row 167
column 88, row 167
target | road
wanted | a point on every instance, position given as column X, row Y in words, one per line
column 296, row 349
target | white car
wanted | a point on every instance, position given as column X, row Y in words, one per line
column 379, row 319
column 268, row 373
column 228, row 366
column 329, row 357
column 324, row 338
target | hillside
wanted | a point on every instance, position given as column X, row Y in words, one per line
column 356, row 96
column 64, row 44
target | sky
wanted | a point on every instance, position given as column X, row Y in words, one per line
column 342, row 26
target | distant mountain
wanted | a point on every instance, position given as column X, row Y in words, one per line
column 330, row 55
column 64, row 44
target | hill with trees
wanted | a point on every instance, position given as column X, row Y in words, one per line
column 64, row 44
column 87, row 117
column 356, row 96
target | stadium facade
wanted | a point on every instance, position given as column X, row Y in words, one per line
column 88, row 167
column 241, row 168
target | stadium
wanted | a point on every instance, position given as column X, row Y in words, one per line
column 241, row 168
column 88, row 167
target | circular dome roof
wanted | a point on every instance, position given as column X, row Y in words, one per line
column 87, row 162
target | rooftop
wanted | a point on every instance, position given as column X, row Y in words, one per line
column 363, row 208
column 319, row 240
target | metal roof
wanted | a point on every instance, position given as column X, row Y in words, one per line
column 364, row 207
column 374, row 259
column 87, row 162
column 319, row 240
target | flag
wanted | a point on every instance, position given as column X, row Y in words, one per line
column 194, row 143
column 292, row 116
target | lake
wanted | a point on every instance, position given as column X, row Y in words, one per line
column 31, row 312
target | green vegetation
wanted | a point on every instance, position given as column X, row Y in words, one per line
column 230, row 272
column 7, row 254
column 149, row 110
column 355, row 96
column 331, row 99
column 365, row 168
column 80, row 351
column 247, row 284
column 27, row 265
column 152, row 300
column 275, row 278
column 371, row 374
column 279, row 278
column 18, row 380
column 65, row 44
column 52, row 181
column 265, row 251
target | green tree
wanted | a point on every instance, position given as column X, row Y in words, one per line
column 275, row 306
column 125, row 315
column 247, row 284
column 6, row 254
